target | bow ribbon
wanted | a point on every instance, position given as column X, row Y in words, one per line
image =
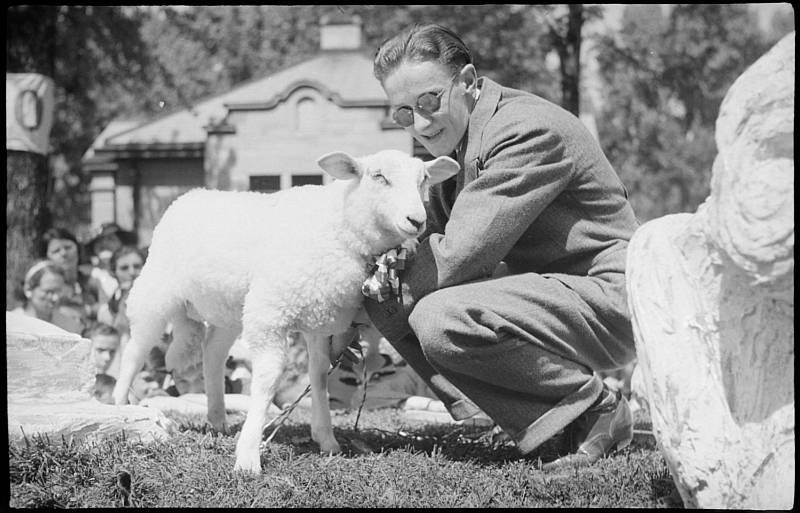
column 384, row 280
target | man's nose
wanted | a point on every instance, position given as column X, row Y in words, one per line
column 420, row 122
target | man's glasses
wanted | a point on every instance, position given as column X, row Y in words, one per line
column 428, row 103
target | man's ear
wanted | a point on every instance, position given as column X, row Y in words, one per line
column 440, row 169
column 340, row 165
column 469, row 77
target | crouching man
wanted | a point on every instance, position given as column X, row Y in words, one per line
column 536, row 192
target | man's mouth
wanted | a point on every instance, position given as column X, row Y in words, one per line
column 433, row 136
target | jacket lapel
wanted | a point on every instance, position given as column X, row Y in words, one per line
column 481, row 114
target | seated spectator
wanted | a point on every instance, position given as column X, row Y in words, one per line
column 238, row 375
column 83, row 292
column 126, row 265
column 101, row 250
column 43, row 290
column 145, row 385
column 103, row 388
column 105, row 346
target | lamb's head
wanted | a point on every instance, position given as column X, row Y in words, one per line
column 385, row 200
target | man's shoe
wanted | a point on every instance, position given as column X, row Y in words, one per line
column 602, row 429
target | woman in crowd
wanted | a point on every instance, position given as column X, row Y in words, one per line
column 43, row 288
column 83, row 294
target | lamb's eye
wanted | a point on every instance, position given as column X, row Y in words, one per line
column 380, row 179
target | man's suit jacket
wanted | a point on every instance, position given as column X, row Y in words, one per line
column 535, row 191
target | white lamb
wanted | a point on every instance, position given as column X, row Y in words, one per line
column 265, row 265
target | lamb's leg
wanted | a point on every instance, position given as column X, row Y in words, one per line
column 268, row 356
column 146, row 331
column 318, row 365
column 217, row 343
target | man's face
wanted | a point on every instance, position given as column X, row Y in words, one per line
column 439, row 131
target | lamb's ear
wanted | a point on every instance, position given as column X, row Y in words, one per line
column 440, row 169
column 340, row 165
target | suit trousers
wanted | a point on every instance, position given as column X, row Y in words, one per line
column 523, row 348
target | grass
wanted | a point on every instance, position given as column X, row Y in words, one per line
column 387, row 462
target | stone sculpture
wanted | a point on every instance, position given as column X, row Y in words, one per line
column 712, row 300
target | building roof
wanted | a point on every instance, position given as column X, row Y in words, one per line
column 345, row 77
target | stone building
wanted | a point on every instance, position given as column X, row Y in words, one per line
column 263, row 135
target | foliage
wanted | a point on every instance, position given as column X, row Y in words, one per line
column 662, row 100
column 209, row 49
column 97, row 60
column 664, row 75
column 408, row 464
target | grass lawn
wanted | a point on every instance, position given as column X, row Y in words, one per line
column 387, row 462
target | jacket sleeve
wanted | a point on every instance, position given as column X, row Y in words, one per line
column 523, row 171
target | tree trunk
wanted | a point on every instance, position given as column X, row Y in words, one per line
column 27, row 178
column 712, row 301
column 568, row 46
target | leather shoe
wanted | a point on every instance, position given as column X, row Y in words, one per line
column 604, row 428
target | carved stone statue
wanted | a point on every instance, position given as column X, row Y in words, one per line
column 712, row 300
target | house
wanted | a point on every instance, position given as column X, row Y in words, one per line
column 263, row 135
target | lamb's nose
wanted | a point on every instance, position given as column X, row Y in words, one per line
column 416, row 224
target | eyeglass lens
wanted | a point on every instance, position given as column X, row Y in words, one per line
column 427, row 102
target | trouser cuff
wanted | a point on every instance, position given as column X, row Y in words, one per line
column 462, row 409
column 559, row 416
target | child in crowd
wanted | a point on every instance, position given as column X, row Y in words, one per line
column 103, row 388
column 126, row 264
column 101, row 248
column 105, row 346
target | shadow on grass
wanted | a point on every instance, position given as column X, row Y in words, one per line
column 385, row 431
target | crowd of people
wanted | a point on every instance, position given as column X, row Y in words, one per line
column 82, row 288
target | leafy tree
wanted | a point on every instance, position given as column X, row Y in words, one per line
column 564, row 35
column 98, row 61
column 665, row 77
column 95, row 57
column 209, row 49
column 509, row 42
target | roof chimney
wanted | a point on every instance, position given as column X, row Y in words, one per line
column 340, row 33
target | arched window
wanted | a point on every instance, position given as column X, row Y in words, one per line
column 307, row 115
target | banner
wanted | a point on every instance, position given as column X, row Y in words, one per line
column 30, row 102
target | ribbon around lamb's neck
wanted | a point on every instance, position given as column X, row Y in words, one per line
column 384, row 281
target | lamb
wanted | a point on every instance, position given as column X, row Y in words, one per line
column 266, row 265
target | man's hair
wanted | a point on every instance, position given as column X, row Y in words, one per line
column 421, row 43
column 102, row 328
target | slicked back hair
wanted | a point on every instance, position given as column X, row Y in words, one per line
column 421, row 43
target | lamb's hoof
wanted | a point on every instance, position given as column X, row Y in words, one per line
column 248, row 463
column 219, row 427
column 329, row 447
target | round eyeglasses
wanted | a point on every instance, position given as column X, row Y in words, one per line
column 427, row 103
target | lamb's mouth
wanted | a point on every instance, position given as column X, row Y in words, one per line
column 409, row 233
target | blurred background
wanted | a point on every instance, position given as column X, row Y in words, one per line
column 150, row 101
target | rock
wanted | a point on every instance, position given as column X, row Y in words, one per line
column 85, row 419
column 712, row 301
column 198, row 404
column 42, row 360
column 49, row 377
